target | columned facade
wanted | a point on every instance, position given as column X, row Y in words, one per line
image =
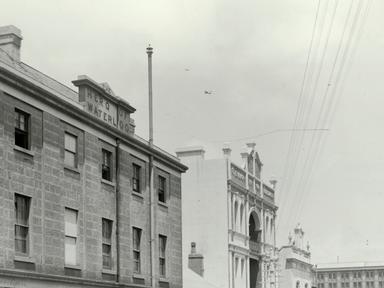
column 242, row 230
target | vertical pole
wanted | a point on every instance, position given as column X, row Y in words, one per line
column 151, row 188
column 150, row 52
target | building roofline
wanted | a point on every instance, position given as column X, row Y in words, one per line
column 82, row 115
column 348, row 266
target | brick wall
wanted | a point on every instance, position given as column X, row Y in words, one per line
column 42, row 175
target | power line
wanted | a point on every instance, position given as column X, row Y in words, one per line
column 312, row 97
column 330, row 112
column 300, row 103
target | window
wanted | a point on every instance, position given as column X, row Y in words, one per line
column 107, row 243
column 161, row 189
column 162, row 247
column 21, row 223
column 21, row 129
column 136, row 249
column 70, row 150
column 136, row 178
column 70, row 255
column 106, row 165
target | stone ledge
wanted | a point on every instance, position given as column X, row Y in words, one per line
column 24, row 151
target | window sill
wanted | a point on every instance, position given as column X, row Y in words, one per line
column 26, row 259
column 109, row 183
column 162, row 205
column 22, row 150
column 108, row 271
column 137, row 194
column 76, row 267
column 72, row 169
column 164, row 280
column 138, row 275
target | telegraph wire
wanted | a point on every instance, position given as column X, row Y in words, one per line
column 299, row 105
column 295, row 153
column 299, row 191
column 312, row 97
column 269, row 133
column 310, row 154
column 333, row 106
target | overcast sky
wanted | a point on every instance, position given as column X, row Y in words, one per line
column 252, row 55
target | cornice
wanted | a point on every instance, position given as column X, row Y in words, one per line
column 79, row 114
column 28, row 276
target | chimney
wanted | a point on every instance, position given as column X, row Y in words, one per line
column 10, row 41
column 196, row 261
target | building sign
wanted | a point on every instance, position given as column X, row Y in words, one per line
column 99, row 101
column 238, row 175
column 105, row 110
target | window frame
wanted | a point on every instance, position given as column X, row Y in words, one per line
column 69, row 235
column 25, row 226
column 162, row 255
column 136, row 249
column 161, row 191
column 107, row 167
column 136, row 179
column 26, row 131
column 74, row 153
column 105, row 242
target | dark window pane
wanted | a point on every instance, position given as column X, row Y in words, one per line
column 21, row 129
column 106, row 165
column 136, row 178
column 161, row 188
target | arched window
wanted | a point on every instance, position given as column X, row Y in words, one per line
column 306, row 285
column 297, row 284
column 254, row 230
column 235, row 216
column 241, row 217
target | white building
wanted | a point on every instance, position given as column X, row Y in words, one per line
column 229, row 212
column 295, row 268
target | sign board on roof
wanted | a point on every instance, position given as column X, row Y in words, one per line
column 98, row 102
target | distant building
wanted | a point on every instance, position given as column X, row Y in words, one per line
column 75, row 205
column 350, row 275
column 229, row 214
column 295, row 268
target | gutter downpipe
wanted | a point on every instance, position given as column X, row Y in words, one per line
column 117, row 210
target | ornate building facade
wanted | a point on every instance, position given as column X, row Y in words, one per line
column 295, row 268
column 229, row 214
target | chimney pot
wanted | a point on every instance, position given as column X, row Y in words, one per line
column 10, row 41
column 193, row 247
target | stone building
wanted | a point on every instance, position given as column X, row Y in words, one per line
column 75, row 201
column 350, row 275
column 295, row 269
column 229, row 214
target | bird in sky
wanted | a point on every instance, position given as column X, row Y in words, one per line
column 208, row 92
column 187, row 69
